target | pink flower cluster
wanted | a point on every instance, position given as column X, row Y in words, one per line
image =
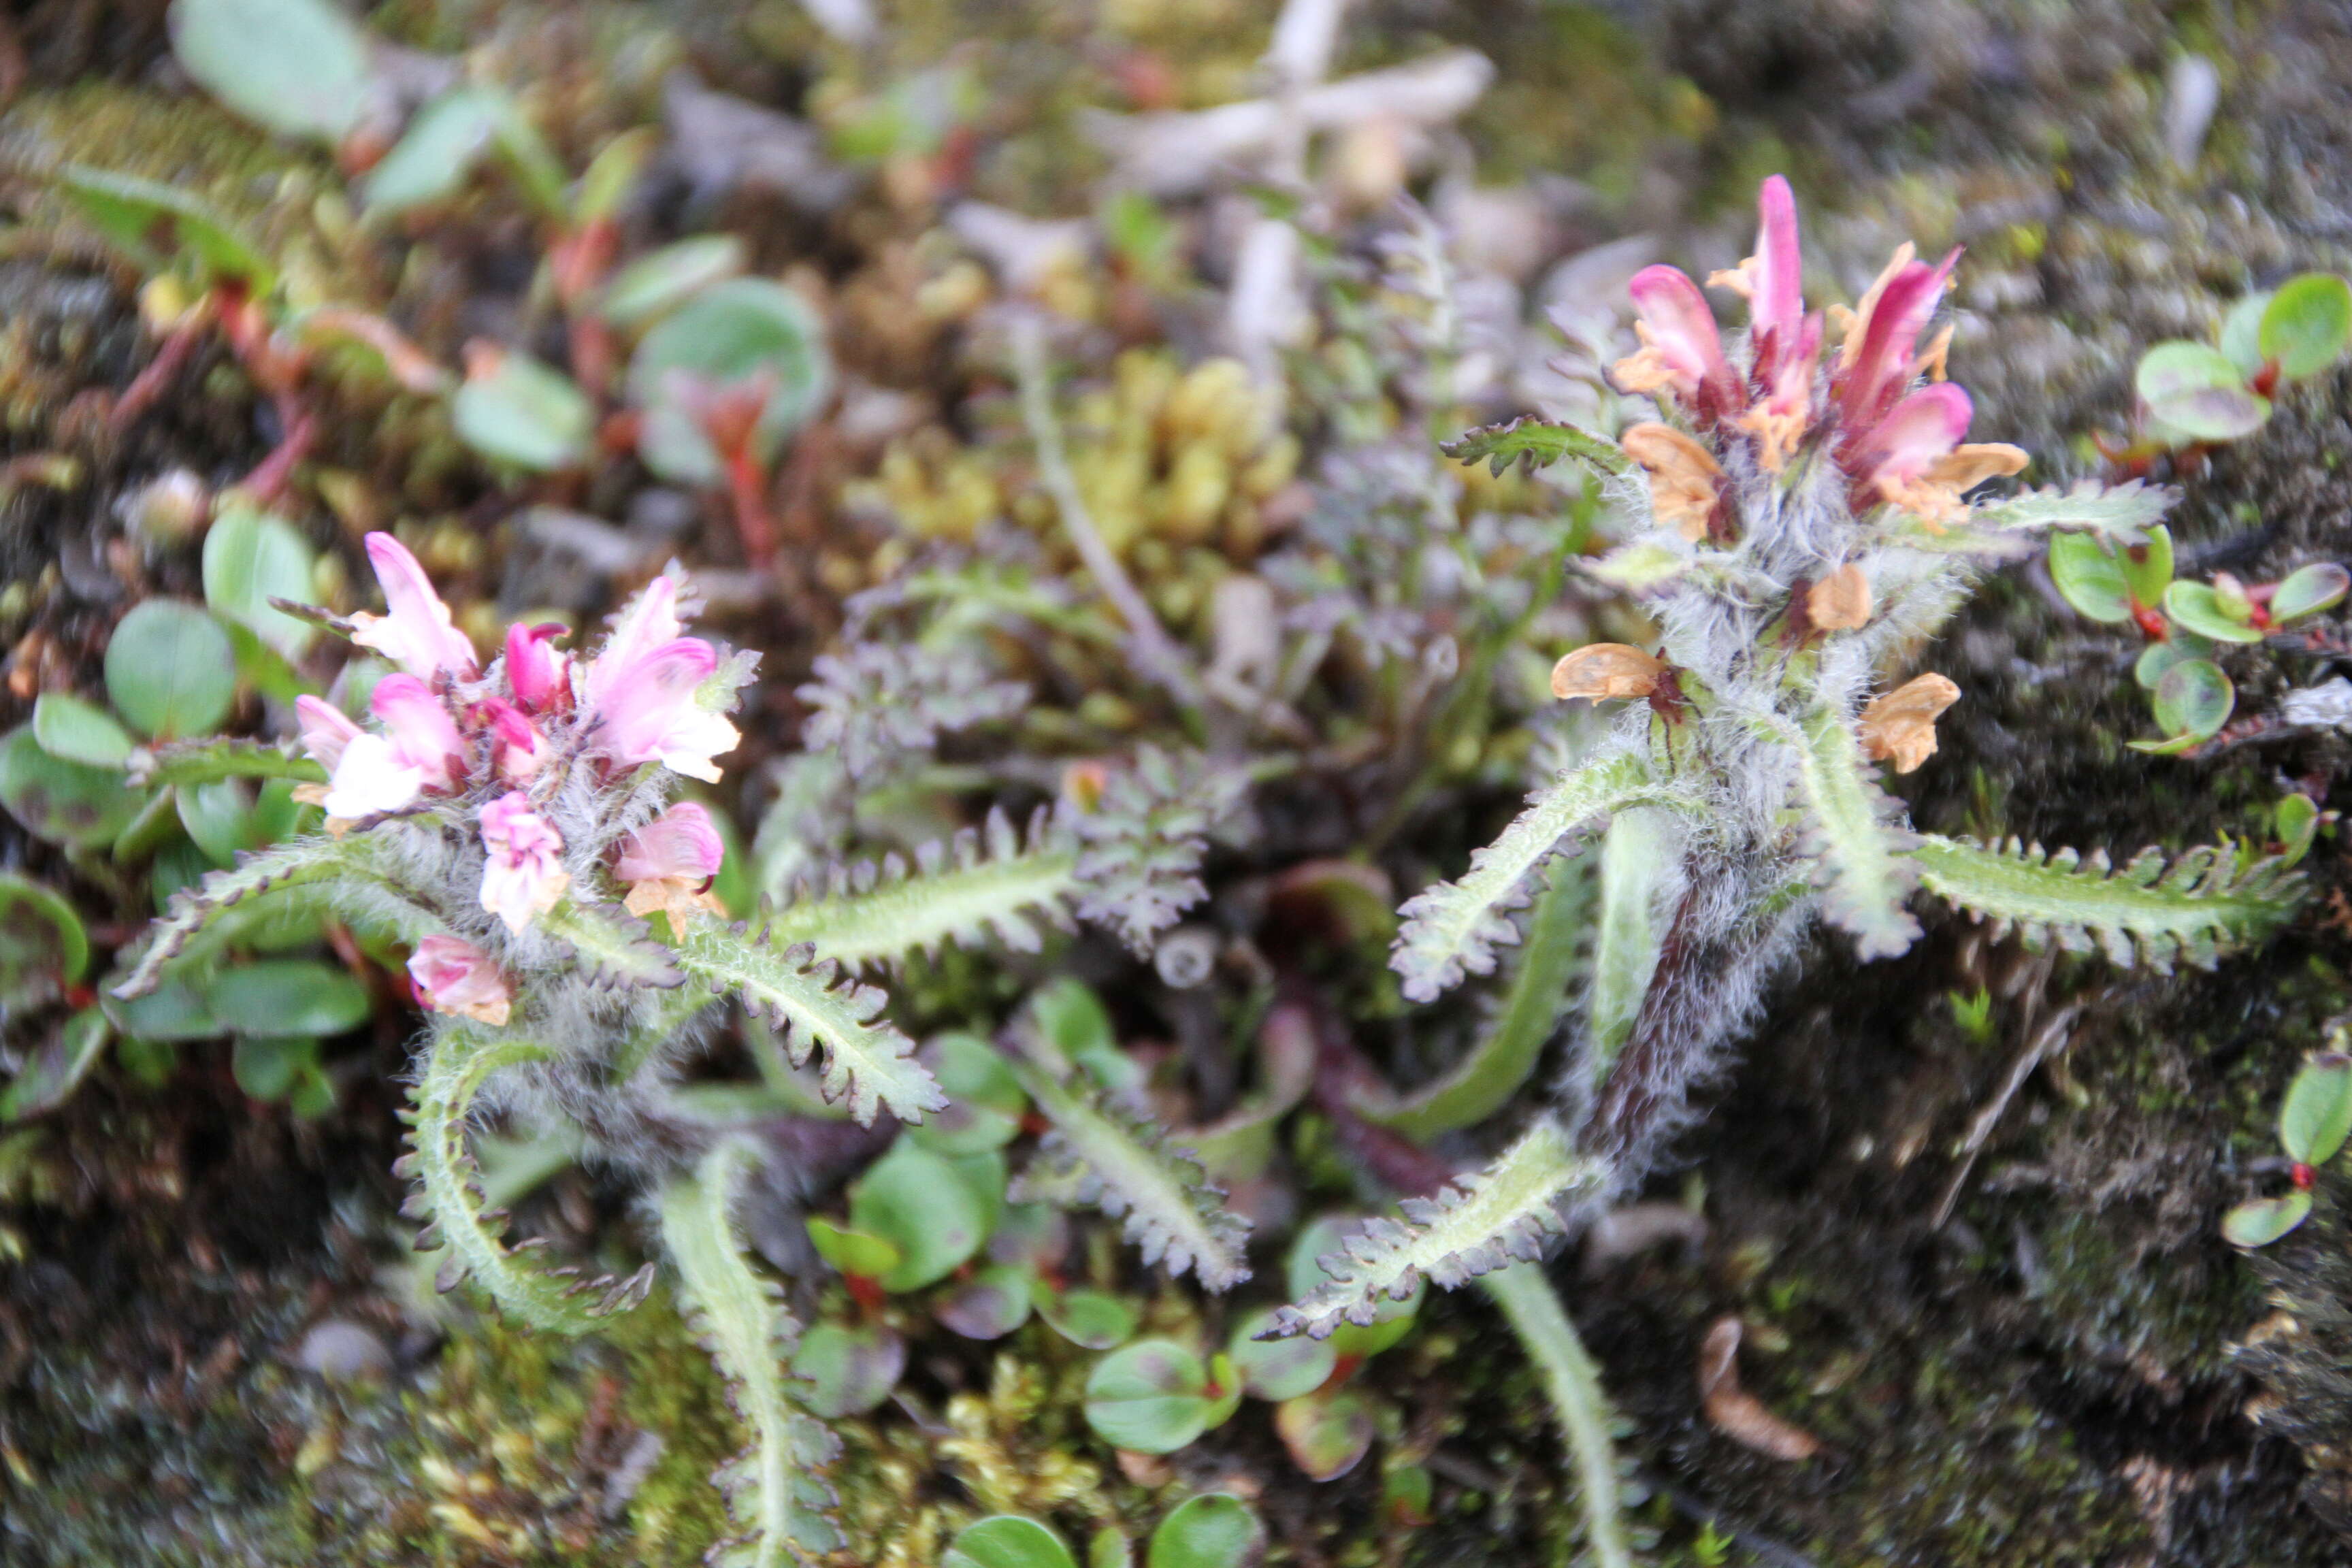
column 1896, row 442
column 493, row 747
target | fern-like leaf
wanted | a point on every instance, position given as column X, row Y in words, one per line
column 1538, row 443
column 182, row 762
column 457, row 1064
column 1864, row 874
column 2153, row 911
column 870, row 1064
column 973, row 888
column 1452, row 928
column 776, row 1492
column 881, row 700
column 1485, row 1079
column 1141, row 847
column 615, row 949
column 1128, row 1167
column 1503, row 1211
column 306, row 862
column 2121, row 511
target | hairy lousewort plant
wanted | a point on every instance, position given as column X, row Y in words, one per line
column 1808, row 527
column 514, row 827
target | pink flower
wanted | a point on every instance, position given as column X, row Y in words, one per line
column 669, row 863
column 420, row 749
column 524, row 875
column 515, row 738
column 540, row 677
column 326, row 730
column 1680, row 350
column 416, row 634
column 1886, row 329
column 1914, row 459
column 649, row 711
column 646, row 623
column 453, row 976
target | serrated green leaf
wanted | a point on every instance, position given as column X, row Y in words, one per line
column 2153, row 911
column 2117, row 512
column 1537, row 443
column 1866, row 877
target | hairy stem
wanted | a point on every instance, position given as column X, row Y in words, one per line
column 1535, row 1314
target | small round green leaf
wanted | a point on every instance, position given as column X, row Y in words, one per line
column 2089, row 578
column 2317, row 1112
column 1007, row 1541
column 1091, row 1320
column 43, row 947
column 77, row 732
column 2308, row 323
column 1109, row 1549
column 852, row 1251
column 272, row 1069
column 2309, row 590
column 2242, row 331
column 444, row 144
column 1216, row 1530
column 2194, row 698
column 250, row 558
column 847, row 1371
column 2207, row 613
column 985, row 1103
column 2265, row 1220
column 2159, row 656
column 660, row 281
column 1030, row 1236
column 921, row 1203
column 993, row 1303
column 1328, row 1434
column 298, row 67
column 170, row 671
column 745, row 334
column 57, row 1067
column 62, row 802
column 281, row 997
column 2198, row 392
column 1279, row 1369
column 2296, row 822
column 173, row 1011
column 2148, row 565
column 1151, row 1397
column 519, row 411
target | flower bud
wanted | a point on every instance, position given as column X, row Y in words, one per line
column 1901, row 725
column 1606, row 671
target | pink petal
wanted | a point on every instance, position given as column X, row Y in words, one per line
column 1682, row 329
column 652, row 699
column 540, row 677
column 1778, row 304
column 523, row 875
column 519, row 745
column 371, row 777
column 681, row 842
column 1917, row 431
column 420, row 729
column 453, row 976
column 416, row 633
column 1884, row 366
column 646, row 624
column 326, row 730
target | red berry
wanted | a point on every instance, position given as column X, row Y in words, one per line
column 2302, row 1176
